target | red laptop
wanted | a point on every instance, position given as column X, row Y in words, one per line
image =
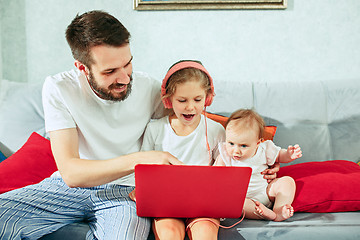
column 183, row 191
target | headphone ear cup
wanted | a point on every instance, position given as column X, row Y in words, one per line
column 167, row 103
column 209, row 99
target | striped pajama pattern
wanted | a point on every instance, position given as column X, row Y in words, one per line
column 36, row 210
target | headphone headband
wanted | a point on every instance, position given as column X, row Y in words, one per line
column 182, row 65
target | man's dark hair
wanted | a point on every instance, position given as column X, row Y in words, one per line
column 92, row 29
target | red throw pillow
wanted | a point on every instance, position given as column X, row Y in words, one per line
column 29, row 165
column 269, row 131
column 329, row 186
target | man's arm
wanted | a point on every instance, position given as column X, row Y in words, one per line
column 77, row 172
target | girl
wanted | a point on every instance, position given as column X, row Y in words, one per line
column 188, row 135
column 244, row 147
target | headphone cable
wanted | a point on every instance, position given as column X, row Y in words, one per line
column 217, row 224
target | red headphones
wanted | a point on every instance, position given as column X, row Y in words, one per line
column 181, row 65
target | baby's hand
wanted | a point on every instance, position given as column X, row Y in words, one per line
column 294, row 152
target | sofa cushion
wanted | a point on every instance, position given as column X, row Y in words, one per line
column 329, row 186
column 29, row 165
column 21, row 113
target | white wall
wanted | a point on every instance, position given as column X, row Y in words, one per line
column 1, row 14
column 1, row 74
column 310, row 40
column 13, row 40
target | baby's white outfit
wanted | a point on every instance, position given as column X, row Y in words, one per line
column 264, row 157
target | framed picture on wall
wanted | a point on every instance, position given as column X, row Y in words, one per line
column 208, row 4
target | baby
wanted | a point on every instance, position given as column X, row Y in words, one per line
column 244, row 146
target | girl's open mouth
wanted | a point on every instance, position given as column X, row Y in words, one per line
column 188, row 117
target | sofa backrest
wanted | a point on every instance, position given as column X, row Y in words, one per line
column 323, row 117
column 21, row 113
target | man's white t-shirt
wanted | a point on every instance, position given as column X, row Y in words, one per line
column 190, row 149
column 106, row 129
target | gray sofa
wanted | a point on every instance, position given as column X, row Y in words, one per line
column 323, row 117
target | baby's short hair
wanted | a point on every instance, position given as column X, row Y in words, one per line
column 249, row 118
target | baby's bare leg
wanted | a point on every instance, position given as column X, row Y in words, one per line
column 256, row 210
column 281, row 191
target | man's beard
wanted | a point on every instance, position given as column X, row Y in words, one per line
column 105, row 93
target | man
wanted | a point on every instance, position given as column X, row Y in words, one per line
column 96, row 117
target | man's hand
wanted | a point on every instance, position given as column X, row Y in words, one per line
column 270, row 173
column 154, row 157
